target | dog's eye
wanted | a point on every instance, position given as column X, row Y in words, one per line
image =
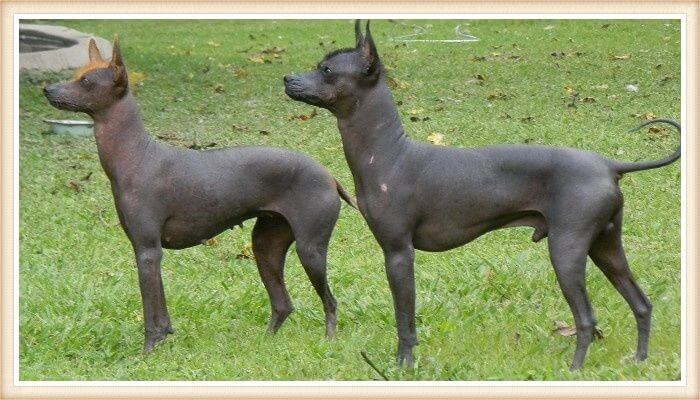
column 84, row 81
column 326, row 70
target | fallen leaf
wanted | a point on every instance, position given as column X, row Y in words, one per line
column 479, row 77
column 73, row 185
column 569, row 89
column 256, row 59
column 86, row 177
column 477, row 58
column 218, row 88
column 136, row 78
column 655, row 132
column 436, row 139
column 497, row 95
column 274, row 50
column 246, row 253
column 416, row 111
column 621, row 57
column 240, row 73
column 396, row 83
column 632, row 88
column 211, row 242
column 588, row 100
column 235, row 127
column 264, row 132
column 562, row 329
column 213, row 44
column 304, row 117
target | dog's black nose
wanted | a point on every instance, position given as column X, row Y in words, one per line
column 46, row 90
column 287, row 78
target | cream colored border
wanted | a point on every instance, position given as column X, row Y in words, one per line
column 8, row 213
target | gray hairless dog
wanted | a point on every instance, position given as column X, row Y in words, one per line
column 434, row 198
column 175, row 198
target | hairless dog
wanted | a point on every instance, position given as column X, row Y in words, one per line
column 435, row 198
column 174, row 198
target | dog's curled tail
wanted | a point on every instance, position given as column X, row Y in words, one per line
column 623, row 168
column 345, row 195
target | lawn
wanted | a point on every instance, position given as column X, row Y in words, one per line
column 485, row 311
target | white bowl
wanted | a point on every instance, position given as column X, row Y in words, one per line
column 70, row 127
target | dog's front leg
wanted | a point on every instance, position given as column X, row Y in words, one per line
column 155, row 313
column 399, row 270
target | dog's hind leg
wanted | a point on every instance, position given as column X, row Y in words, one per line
column 272, row 237
column 312, row 228
column 313, row 258
column 568, row 249
column 608, row 254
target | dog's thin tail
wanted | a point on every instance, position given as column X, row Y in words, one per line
column 625, row 167
column 345, row 195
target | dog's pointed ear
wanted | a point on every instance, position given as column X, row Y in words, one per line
column 358, row 34
column 121, row 79
column 94, row 52
column 116, row 54
column 369, row 52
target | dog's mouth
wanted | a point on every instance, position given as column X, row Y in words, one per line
column 62, row 104
column 297, row 93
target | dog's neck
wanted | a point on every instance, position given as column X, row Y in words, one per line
column 372, row 133
column 122, row 141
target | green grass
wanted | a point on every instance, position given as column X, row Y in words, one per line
column 485, row 311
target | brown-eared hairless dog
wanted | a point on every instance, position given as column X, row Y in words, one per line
column 174, row 198
column 435, row 198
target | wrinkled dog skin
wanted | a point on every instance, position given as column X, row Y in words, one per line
column 174, row 198
column 435, row 198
